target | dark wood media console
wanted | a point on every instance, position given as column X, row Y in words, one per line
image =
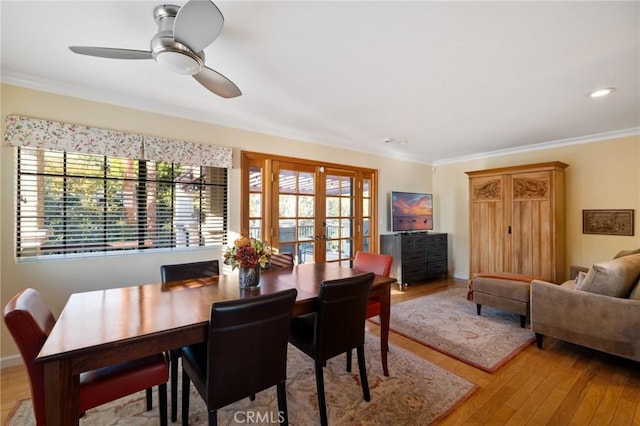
column 417, row 256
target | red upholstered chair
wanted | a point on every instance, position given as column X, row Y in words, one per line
column 281, row 260
column 30, row 321
column 379, row 264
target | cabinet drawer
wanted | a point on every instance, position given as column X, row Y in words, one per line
column 434, row 268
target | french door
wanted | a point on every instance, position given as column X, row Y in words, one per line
column 317, row 212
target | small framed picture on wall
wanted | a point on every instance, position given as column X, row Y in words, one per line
column 608, row 222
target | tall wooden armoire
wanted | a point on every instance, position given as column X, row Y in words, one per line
column 516, row 220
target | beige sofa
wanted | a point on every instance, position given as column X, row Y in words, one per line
column 599, row 309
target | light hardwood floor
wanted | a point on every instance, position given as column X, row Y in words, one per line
column 562, row 384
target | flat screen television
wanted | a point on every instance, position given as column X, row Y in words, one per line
column 411, row 211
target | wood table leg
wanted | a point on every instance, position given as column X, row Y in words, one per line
column 61, row 393
column 385, row 315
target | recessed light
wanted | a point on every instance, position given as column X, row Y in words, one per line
column 601, row 92
column 392, row 141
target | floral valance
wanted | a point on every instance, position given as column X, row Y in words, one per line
column 35, row 133
column 159, row 149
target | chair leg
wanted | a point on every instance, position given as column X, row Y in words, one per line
column 478, row 308
column 162, row 403
column 186, row 382
column 149, row 399
column 539, row 340
column 363, row 373
column 213, row 418
column 322, row 404
column 174, row 386
column 283, row 416
column 523, row 320
column 349, row 355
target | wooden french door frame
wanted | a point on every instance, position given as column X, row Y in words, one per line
column 269, row 165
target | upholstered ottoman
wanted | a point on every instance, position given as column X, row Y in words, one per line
column 508, row 292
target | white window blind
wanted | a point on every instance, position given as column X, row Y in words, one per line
column 84, row 189
column 79, row 203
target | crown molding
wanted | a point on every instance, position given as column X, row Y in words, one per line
column 598, row 137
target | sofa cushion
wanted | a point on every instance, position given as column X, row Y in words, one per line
column 635, row 291
column 614, row 277
column 626, row 253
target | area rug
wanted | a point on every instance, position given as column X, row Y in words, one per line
column 417, row 392
column 447, row 322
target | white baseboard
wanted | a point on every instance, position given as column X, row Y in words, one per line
column 461, row 277
column 10, row 361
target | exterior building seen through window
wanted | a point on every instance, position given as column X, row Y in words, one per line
column 71, row 203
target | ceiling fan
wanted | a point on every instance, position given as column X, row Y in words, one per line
column 183, row 33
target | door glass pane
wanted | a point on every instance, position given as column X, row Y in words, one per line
column 306, row 252
column 287, row 206
column 306, row 183
column 255, row 179
column 306, row 206
column 255, row 205
column 287, row 230
column 255, row 225
column 346, row 249
column 366, row 203
column 345, row 228
column 305, row 229
column 333, row 228
column 287, row 181
column 333, row 207
column 345, row 186
column 346, row 207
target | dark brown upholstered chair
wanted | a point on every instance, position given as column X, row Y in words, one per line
column 281, row 260
column 30, row 321
column 179, row 272
column 186, row 271
column 336, row 327
column 379, row 264
column 245, row 354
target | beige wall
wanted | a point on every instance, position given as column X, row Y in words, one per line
column 58, row 279
column 601, row 175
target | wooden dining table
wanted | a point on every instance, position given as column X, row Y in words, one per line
column 106, row 327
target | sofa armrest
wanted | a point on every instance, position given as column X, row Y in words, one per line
column 609, row 324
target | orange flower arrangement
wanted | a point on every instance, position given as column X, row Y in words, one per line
column 247, row 252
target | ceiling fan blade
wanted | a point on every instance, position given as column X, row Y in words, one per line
column 217, row 83
column 112, row 53
column 197, row 24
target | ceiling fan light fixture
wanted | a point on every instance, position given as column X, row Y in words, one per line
column 601, row 92
column 179, row 62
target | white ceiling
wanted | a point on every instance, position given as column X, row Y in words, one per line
column 454, row 79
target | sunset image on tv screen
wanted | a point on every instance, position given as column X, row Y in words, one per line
column 411, row 211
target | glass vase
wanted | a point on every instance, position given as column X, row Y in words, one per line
column 249, row 277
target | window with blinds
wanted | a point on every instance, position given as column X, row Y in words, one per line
column 81, row 203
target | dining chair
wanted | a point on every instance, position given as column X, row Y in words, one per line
column 246, row 352
column 337, row 326
column 169, row 275
column 186, row 271
column 30, row 321
column 281, row 260
column 379, row 264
